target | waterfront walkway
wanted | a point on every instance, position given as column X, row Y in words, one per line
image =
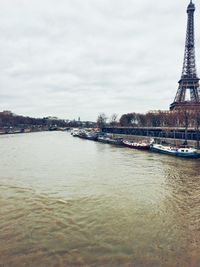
column 155, row 132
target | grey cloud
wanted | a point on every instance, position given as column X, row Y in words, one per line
column 71, row 57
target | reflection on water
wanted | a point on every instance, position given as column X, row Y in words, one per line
column 71, row 202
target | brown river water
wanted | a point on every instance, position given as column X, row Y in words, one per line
column 71, row 202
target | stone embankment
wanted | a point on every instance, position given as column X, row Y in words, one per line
column 171, row 136
column 18, row 130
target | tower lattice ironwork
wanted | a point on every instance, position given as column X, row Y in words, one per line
column 188, row 94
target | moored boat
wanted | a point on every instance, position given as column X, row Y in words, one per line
column 75, row 132
column 112, row 141
column 93, row 136
column 136, row 145
column 84, row 134
column 175, row 151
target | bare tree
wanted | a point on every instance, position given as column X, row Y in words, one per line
column 113, row 120
column 101, row 120
column 196, row 123
column 185, row 121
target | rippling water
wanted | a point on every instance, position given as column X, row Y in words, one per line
column 70, row 202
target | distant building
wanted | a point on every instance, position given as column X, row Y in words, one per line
column 52, row 118
column 158, row 111
column 7, row 112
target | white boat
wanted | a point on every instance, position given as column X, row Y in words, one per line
column 174, row 151
column 75, row 132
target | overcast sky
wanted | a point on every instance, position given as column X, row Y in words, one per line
column 71, row 58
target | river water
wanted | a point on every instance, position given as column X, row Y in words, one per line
column 71, row 202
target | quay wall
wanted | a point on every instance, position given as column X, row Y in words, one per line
column 174, row 136
column 18, row 130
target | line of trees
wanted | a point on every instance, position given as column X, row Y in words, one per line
column 179, row 118
column 8, row 119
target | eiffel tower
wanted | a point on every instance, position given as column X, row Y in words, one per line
column 188, row 94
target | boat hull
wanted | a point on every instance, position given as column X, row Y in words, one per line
column 137, row 147
column 110, row 141
column 91, row 138
column 189, row 155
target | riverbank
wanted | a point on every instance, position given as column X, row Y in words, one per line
column 19, row 130
column 159, row 140
column 172, row 136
